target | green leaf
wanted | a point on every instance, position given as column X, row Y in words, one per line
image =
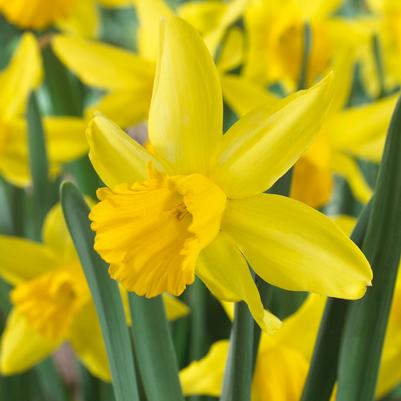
column 366, row 321
column 154, row 349
column 323, row 369
column 105, row 293
column 38, row 165
column 239, row 367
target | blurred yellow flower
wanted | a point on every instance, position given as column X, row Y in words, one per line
column 128, row 77
column 52, row 302
column 64, row 135
column 283, row 359
column 196, row 204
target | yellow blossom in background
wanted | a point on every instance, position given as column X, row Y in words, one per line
column 128, row 77
column 195, row 206
column 74, row 16
column 64, row 135
column 283, row 359
column 52, row 303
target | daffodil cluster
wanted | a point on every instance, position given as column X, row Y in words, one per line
column 200, row 198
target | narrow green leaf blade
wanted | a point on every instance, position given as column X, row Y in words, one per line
column 38, row 165
column 154, row 349
column 367, row 318
column 239, row 367
column 105, row 294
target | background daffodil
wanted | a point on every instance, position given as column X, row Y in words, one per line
column 200, row 208
column 64, row 135
column 128, row 77
column 52, row 302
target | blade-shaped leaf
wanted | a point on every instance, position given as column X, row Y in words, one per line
column 154, row 349
column 105, row 294
column 366, row 321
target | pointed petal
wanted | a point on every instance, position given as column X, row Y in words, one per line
column 185, row 119
column 355, row 129
column 231, row 55
column 346, row 167
column 22, row 347
column 225, row 272
column 87, row 341
column 265, row 143
column 150, row 13
column 20, row 77
column 243, row 95
column 292, row 246
column 101, row 65
column 175, row 309
column 114, row 106
column 205, row 377
column 56, row 236
column 116, row 157
column 22, row 259
column 305, row 320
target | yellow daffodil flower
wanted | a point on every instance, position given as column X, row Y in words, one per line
column 276, row 39
column 52, row 302
column 283, row 359
column 64, row 135
column 74, row 15
column 128, row 77
column 196, row 204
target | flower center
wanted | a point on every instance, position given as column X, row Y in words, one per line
column 50, row 301
column 151, row 232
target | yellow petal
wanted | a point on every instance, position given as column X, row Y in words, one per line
column 279, row 375
column 243, row 96
column 346, row 223
column 35, row 13
column 22, row 259
column 15, row 169
column 116, row 157
column 292, row 246
column 265, row 143
column 150, row 13
column 346, row 167
column 232, row 51
column 83, row 20
column 185, row 119
column 56, row 236
column 87, row 341
column 205, row 377
column 115, row 3
column 175, row 309
column 22, row 347
column 305, row 320
column 20, row 77
column 102, row 65
column 65, row 138
column 114, row 106
column 355, row 130
column 225, row 272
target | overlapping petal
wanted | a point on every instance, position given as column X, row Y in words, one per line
column 116, row 157
column 266, row 142
column 22, row 347
column 21, row 259
column 185, row 119
column 294, row 247
column 101, row 65
column 224, row 270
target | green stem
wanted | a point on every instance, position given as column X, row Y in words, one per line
column 238, row 373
